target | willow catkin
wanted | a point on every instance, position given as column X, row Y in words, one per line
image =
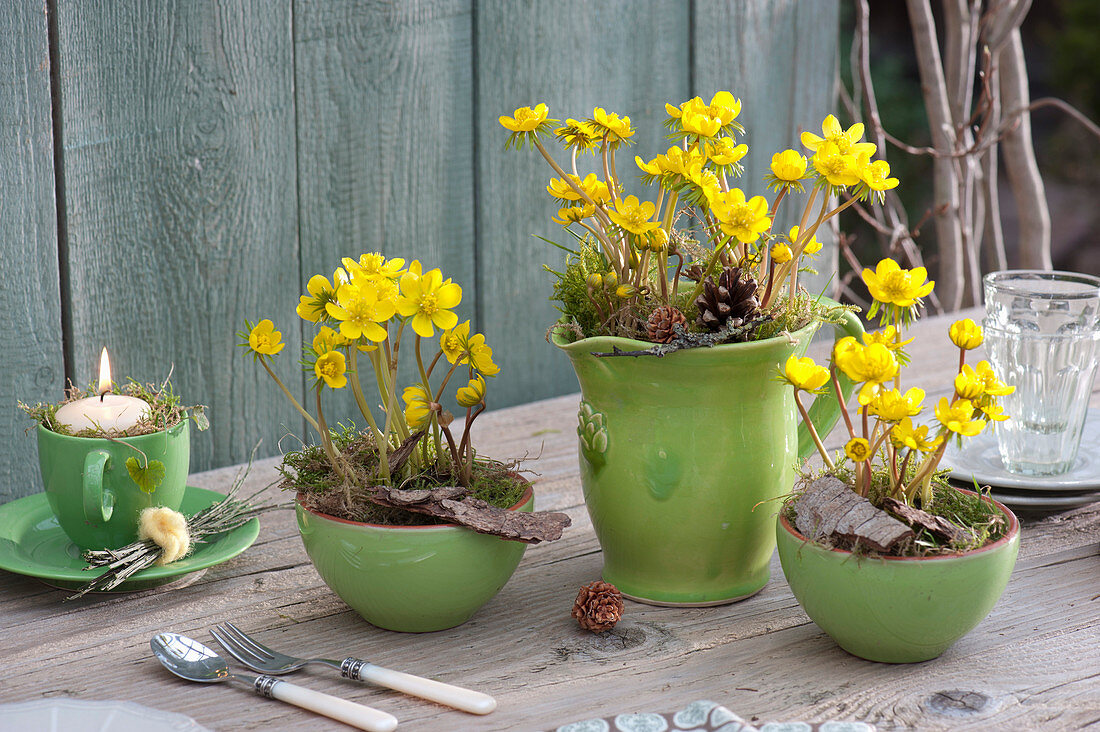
column 168, row 529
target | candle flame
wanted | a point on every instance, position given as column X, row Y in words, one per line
column 104, row 373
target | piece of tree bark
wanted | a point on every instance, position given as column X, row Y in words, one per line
column 935, row 525
column 830, row 509
column 455, row 504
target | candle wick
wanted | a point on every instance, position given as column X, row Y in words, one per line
column 101, row 395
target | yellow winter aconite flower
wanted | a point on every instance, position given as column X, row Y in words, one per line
column 857, row 449
column 968, row 384
column 331, row 368
column 327, row 339
column 578, row 134
column 993, row 386
column 839, row 169
column 653, row 167
column 993, row 412
column 874, row 363
column 481, row 356
column 966, row 334
column 634, row 215
column 418, row 406
column 574, row 214
column 905, row 434
column 958, row 417
column 614, row 128
column 725, row 151
column 833, row 133
column 877, row 176
column 805, row 374
column 454, row 342
column 891, row 285
column 743, row 219
column 595, row 188
column 789, row 166
column 312, row 306
column 893, row 406
column 888, row 337
column 813, row 246
column 428, row 300
column 361, row 311
column 374, row 266
column 700, row 123
column 264, row 340
column 525, row 119
column 473, row 393
column 781, row 253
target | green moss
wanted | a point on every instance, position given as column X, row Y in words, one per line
column 165, row 410
column 309, row 471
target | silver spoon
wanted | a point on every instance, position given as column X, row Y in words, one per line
column 193, row 661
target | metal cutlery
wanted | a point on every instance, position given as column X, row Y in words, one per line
column 259, row 657
column 193, row 661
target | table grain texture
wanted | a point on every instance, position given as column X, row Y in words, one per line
column 1034, row 663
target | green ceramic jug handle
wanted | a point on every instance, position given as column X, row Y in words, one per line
column 825, row 410
column 99, row 503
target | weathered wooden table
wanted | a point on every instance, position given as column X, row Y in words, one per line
column 1033, row 663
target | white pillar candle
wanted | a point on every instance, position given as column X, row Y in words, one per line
column 106, row 412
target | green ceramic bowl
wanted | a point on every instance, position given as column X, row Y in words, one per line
column 412, row 579
column 896, row 609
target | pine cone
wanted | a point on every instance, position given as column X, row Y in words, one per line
column 598, row 607
column 661, row 320
column 733, row 298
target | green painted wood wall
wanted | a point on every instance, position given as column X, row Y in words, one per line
column 171, row 168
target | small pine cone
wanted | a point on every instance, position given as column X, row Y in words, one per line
column 598, row 607
column 661, row 320
column 732, row 298
column 693, row 272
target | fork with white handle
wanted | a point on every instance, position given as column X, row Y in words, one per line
column 259, row 657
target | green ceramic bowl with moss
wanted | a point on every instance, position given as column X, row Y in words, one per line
column 897, row 609
column 412, row 579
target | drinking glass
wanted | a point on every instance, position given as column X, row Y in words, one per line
column 1042, row 334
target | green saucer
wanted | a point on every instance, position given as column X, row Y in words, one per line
column 33, row 544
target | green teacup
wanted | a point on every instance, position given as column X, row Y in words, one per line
column 98, row 487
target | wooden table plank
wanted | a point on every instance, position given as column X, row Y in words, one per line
column 1030, row 664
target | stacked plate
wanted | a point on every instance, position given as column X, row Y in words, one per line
column 979, row 460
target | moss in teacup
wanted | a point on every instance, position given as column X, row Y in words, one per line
column 165, row 411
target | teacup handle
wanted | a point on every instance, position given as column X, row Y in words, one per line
column 825, row 410
column 99, row 504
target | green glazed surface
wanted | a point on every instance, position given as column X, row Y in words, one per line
column 412, row 579
column 33, row 544
column 682, row 457
column 896, row 610
column 109, row 520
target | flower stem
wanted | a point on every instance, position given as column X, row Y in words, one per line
column 813, row 431
column 305, row 415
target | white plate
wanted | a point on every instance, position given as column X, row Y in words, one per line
column 62, row 714
column 979, row 460
column 1035, row 501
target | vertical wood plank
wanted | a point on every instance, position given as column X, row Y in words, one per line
column 180, row 198
column 385, row 148
column 627, row 57
column 778, row 57
column 30, row 340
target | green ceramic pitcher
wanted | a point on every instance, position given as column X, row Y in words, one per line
column 683, row 459
column 96, row 496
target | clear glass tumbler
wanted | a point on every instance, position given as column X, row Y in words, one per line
column 1042, row 334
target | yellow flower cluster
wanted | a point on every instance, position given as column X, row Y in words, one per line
column 877, row 361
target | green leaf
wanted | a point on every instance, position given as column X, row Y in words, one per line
column 147, row 478
column 198, row 413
